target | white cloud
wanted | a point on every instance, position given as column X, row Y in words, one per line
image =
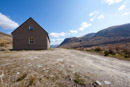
column 127, row 9
column 91, row 14
column 56, row 41
column 7, row 23
column 73, row 31
column 94, row 13
column 121, row 7
column 92, row 19
column 83, row 26
column 57, row 34
column 100, row 16
column 110, row 2
column 126, row 13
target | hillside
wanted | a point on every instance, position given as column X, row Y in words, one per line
column 6, row 39
column 54, row 46
column 74, row 41
column 115, row 31
column 5, row 36
column 110, row 36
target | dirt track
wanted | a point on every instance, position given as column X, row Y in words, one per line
column 115, row 72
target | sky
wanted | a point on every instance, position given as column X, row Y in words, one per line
column 64, row 18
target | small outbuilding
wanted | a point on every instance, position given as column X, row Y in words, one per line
column 30, row 36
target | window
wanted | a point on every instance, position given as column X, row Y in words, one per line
column 31, row 40
column 30, row 28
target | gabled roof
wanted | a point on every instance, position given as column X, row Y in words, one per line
column 35, row 22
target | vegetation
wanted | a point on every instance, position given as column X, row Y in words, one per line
column 117, row 51
column 97, row 49
column 31, row 81
column 21, row 77
column 3, row 43
column 78, row 79
column 106, row 53
column 27, row 73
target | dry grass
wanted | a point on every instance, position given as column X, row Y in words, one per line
column 78, row 79
column 5, row 41
column 117, row 51
column 20, row 69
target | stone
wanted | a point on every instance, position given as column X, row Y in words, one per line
column 17, row 73
column 46, row 71
column 123, row 71
column 39, row 66
column 52, row 76
column 107, row 82
column 71, row 66
column 35, row 57
column 98, row 83
column 129, row 77
column 2, row 75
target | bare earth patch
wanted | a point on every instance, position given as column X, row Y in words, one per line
column 62, row 68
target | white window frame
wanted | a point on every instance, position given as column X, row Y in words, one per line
column 31, row 40
column 31, row 28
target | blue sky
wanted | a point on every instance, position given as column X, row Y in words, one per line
column 64, row 18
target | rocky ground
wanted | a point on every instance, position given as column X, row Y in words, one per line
column 62, row 68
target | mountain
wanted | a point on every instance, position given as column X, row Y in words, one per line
column 88, row 36
column 54, row 46
column 119, row 34
column 6, row 38
column 74, row 41
column 3, row 35
column 115, row 31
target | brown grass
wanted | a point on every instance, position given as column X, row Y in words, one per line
column 21, row 72
column 118, row 51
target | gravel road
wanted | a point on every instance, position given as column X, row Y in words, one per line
column 109, row 72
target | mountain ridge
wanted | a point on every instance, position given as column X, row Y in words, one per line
column 111, row 35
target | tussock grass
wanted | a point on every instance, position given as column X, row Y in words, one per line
column 117, row 52
column 78, row 79
column 23, row 76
